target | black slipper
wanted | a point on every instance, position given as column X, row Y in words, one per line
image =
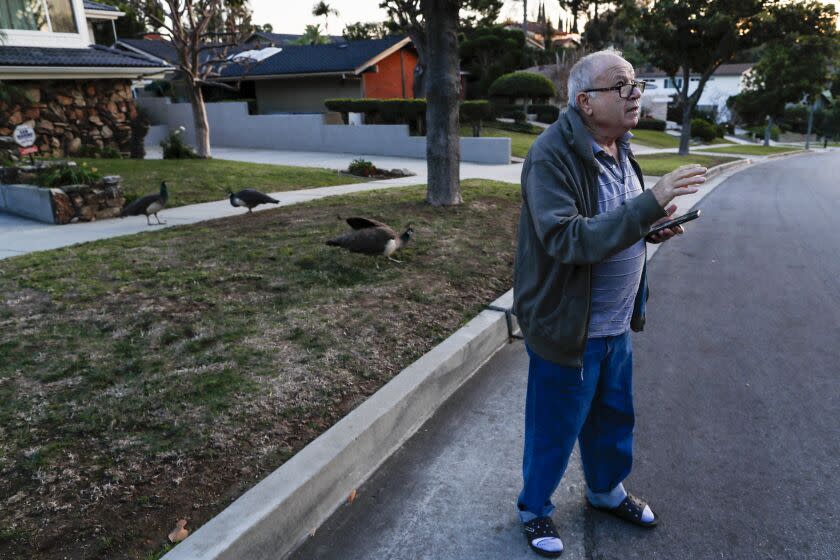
column 631, row 510
column 538, row 528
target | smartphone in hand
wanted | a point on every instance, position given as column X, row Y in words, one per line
column 694, row 214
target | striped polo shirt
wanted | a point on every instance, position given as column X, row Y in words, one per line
column 615, row 280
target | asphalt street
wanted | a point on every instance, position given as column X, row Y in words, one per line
column 737, row 398
column 737, row 385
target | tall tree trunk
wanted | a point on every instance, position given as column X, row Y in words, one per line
column 202, row 127
column 443, row 149
column 685, row 135
column 767, row 130
column 418, row 39
column 525, row 20
column 811, row 108
column 687, row 107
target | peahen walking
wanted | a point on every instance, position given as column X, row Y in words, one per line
column 148, row 205
column 250, row 199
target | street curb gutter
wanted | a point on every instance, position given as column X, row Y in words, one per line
column 718, row 169
column 273, row 518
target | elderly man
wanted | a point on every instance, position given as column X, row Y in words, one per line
column 579, row 286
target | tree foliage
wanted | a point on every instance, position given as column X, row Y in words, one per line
column 685, row 37
column 364, row 30
column 489, row 52
column 792, row 69
column 312, row 36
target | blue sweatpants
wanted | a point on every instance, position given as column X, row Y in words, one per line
column 593, row 405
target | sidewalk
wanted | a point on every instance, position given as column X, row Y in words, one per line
column 20, row 235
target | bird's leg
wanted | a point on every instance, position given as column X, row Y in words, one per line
column 395, row 260
column 148, row 221
column 249, row 211
column 158, row 220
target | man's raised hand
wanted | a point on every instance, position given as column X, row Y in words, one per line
column 683, row 180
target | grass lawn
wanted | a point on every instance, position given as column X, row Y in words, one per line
column 659, row 139
column 752, row 150
column 154, row 377
column 191, row 180
column 520, row 141
column 661, row 164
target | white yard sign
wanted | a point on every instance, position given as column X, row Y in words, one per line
column 24, row 135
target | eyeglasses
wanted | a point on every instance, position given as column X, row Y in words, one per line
column 624, row 91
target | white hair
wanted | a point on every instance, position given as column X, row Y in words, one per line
column 583, row 74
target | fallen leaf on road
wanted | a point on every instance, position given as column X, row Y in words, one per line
column 179, row 533
column 352, row 497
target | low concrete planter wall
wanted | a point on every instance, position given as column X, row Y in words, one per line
column 231, row 126
column 68, row 204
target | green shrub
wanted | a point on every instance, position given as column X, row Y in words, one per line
column 474, row 113
column 545, row 113
column 522, row 85
column 66, row 174
column 382, row 111
column 651, row 124
column 519, row 116
column 505, row 110
column 758, row 131
column 703, row 130
column 524, row 127
column 110, row 152
column 174, row 146
column 362, row 167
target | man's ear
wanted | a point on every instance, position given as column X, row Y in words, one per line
column 583, row 103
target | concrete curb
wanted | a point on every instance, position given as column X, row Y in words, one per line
column 718, row 169
column 273, row 518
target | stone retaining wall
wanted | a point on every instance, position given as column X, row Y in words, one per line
column 70, row 114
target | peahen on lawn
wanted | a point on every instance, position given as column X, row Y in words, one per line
column 372, row 238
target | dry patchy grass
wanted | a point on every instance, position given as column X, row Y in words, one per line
column 158, row 376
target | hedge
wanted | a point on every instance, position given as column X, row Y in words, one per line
column 651, row 124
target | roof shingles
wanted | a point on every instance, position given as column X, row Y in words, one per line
column 314, row 59
column 93, row 56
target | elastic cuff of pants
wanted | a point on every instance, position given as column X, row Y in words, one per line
column 610, row 499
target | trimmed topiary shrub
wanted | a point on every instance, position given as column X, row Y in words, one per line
column 651, row 124
column 522, row 85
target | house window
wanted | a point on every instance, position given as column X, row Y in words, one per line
column 673, row 84
column 38, row 15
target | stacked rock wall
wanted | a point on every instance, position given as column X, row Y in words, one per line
column 70, row 114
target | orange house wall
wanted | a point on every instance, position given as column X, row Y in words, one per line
column 387, row 83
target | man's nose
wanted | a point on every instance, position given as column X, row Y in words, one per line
column 636, row 93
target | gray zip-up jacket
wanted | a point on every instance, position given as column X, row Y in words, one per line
column 561, row 235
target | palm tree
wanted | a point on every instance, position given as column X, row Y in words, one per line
column 324, row 9
column 312, row 36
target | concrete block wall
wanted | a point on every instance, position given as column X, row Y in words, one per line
column 232, row 126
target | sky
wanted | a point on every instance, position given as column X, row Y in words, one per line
column 291, row 16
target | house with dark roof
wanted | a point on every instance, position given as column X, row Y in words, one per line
column 75, row 94
column 288, row 78
column 299, row 78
